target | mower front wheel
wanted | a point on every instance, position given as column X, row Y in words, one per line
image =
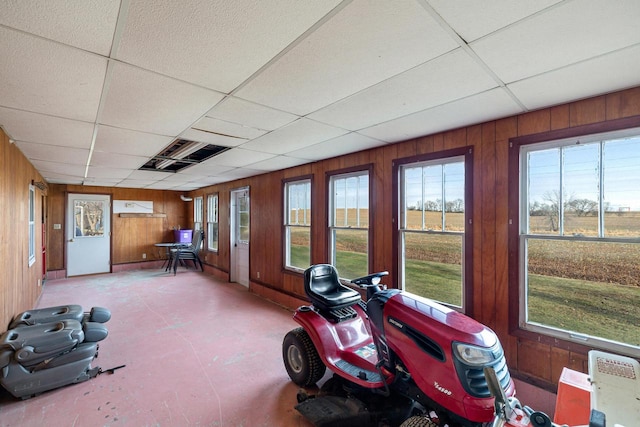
column 301, row 358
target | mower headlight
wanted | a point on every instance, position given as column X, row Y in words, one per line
column 472, row 355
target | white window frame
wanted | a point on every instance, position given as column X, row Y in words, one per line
column 300, row 220
column 197, row 213
column 32, row 225
column 212, row 222
column 334, row 227
column 524, row 236
column 403, row 231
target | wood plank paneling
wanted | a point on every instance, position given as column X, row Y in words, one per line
column 623, row 104
column 20, row 283
column 487, row 164
column 587, row 111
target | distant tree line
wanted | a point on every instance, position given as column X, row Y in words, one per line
column 550, row 207
column 454, row 206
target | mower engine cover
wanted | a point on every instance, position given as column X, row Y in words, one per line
column 445, row 352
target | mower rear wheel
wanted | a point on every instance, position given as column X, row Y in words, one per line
column 301, row 358
column 418, row 421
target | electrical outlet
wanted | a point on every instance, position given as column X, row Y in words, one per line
column 258, row 273
column 144, row 256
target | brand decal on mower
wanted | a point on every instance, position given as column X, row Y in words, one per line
column 441, row 389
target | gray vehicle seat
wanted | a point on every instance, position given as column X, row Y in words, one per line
column 42, row 356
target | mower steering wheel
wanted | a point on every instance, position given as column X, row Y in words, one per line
column 370, row 280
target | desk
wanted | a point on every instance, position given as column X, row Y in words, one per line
column 168, row 247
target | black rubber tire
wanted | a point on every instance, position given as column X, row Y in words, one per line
column 418, row 421
column 301, row 358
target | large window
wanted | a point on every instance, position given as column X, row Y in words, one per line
column 297, row 223
column 432, row 229
column 212, row 222
column 349, row 223
column 197, row 213
column 32, row 225
column 579, row 239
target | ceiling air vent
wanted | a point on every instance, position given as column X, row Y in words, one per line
column 181, row 154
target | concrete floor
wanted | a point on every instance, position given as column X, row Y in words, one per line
column 198, row 352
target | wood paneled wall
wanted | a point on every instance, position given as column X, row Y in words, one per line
column 531, row 360
column 131, row 237
column 20, row 284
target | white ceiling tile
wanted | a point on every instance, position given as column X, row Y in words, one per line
column 160, row 185
column 241, row 173
column 48, row 77
column 209, row 124
column 344, row 144
column 210, row 180
column 114, row 160
column 608, row 73
column 144, row 175
column 104, row 174
column 247, row 113
column 479, row 108
column 55, row 178
column 277, row 163
column 563, row 35
column 179, row 178
column 44, row 166
column 43, row 129
column 296, row 135
column 238, row 157
column 33, row 151
column 364, row 43
column 101, row 182
column 211, row 138
column 148, row 102
column 86, row 24
column 185, row 187
column 135, row 183
column 472, row 19
column 216, row 44
column 206, row 168
column 116, row 140
column 442, row 80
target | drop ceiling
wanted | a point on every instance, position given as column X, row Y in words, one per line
column 91, row 90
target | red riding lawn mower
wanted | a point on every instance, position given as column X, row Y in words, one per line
column 397, row 359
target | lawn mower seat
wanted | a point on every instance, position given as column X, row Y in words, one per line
column 41, row 357
column 61, row 312
column 323, row 287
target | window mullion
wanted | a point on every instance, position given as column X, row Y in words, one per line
column 422, row 198
column 561, row 195
column 444, row 202
column 601, row 232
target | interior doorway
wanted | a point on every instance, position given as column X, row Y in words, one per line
column 240, row 232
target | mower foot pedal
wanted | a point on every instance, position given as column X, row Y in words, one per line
column 356, row 372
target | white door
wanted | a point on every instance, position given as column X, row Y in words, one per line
column 240, row 216
column 88, row 232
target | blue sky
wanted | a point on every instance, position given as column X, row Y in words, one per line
column 621, row 160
